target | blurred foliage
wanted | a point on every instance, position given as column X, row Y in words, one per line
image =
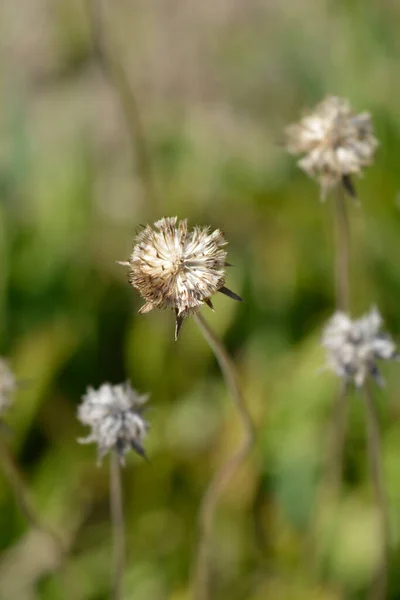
column 216, row 82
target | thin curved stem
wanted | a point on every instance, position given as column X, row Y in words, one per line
column 333, row 470
column 16, row 482
column 337, row 440
column 201, row 584
column 342, row 252
column 115, row 73
column 380, row 583
column 118, row 526
column 342, row 287
column 338, row 419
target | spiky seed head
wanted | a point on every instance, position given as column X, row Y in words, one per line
column 336, row 141
column 354, row 347
column 114, row 413
column 8, row 385
column 175, row 268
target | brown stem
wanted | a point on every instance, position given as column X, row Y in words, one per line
column 342, row 253
column 338, row 437
column 342, row 285
column 115, row 73
column 338, row 421
column 332, row 474
column 14, row 478
column 201, row 584
column 379, row 585
column 118, row 527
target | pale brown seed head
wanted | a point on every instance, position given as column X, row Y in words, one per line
column 175, row 268
column 337, row 142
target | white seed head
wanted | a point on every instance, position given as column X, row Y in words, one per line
column 337, row 143
column 172, row 267
column 114, row 412
column 353, row 347
column 8, row 385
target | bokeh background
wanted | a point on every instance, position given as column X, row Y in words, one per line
column 214, row 83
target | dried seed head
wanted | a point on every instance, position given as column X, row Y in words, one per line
column 354, row 346
column 114, row 412
column 8, row 385
column 337, row 143
column 172, row 267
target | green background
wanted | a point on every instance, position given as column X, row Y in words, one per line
column 215, row 82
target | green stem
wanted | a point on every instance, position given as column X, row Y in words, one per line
column 201, row 584
column 16, row 482
column 379, row 587
column 342, row 253
column 118, row 526
column 338, row 438
column 342, row 286
column 115, row 73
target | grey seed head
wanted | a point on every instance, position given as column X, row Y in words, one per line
column 354, row 347
column 114, row 413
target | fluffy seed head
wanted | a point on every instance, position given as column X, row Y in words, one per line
column 337, row 143
column 353, row 347
column 114, row 412
column 172, row 267
column 8, row 385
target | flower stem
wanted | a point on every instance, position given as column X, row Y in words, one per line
column 379, row 586
column 117, row 520
column 342, row 253
column 116, row 75
column 337, row 442
column 209, row 503
column 14, row 478
column 338, row 418
column 329, row 492
column 342, row 285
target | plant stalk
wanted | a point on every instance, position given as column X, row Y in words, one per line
column 118, row 526
column 342, row 287
column 116, row 75
column 339, row 419
column 16, row 482
column 342, row 253
column 380, row 583
column 201, row 584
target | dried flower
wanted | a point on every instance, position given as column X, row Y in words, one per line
column 172, row 267
column 8, row 385
column 354, row 346
column 337, row 143
column 114, row 412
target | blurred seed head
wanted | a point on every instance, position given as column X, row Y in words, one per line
column 172, row 267
column 337, row 143
column 114, row 412
column 8, row 385
column 353, row 347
